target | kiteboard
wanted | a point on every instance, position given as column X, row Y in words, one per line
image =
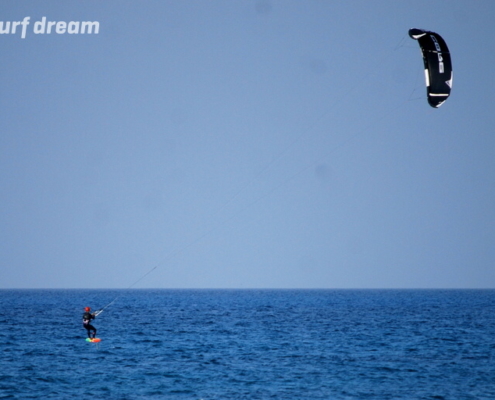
column 93, row 340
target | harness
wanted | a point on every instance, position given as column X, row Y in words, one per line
column 87, row 317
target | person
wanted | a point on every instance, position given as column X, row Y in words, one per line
column 87, row 317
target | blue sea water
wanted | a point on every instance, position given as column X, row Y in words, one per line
column 249, row 344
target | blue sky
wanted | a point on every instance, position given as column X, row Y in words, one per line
column 246, row 144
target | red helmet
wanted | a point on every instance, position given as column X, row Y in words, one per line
column 87, row 308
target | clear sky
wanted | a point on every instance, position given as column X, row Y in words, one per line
column 245, row 144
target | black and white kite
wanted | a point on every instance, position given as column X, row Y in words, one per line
column 438, row 65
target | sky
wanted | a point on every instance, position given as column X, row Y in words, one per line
column 245, row 144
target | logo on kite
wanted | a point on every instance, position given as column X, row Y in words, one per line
column 438, row 65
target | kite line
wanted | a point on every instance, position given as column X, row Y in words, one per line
column 221, row 222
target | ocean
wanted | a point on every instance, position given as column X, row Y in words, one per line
column 249, row 344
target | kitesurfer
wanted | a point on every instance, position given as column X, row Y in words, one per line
column 87, row 317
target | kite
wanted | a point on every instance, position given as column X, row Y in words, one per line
column 438, row 65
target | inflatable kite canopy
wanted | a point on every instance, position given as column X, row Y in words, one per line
column 438, row 65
